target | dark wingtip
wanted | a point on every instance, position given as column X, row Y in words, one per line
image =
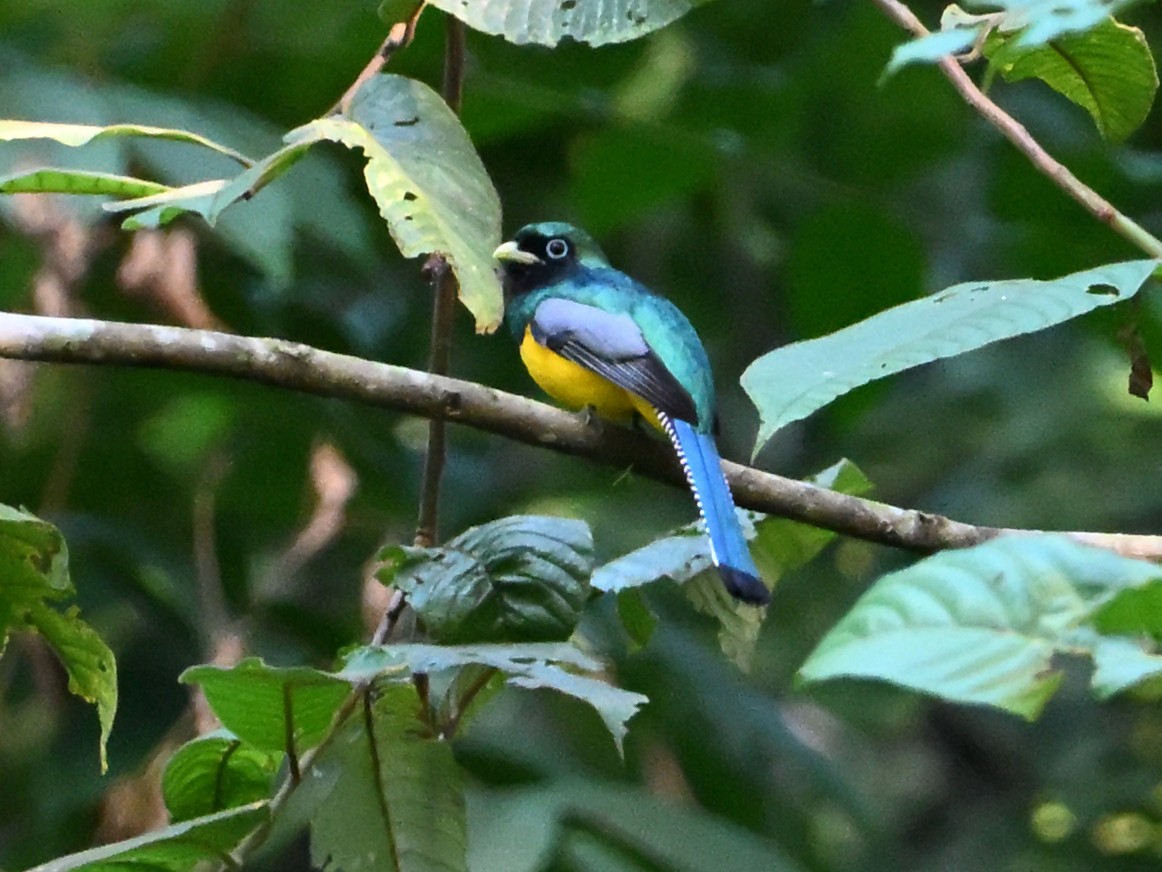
column 744, row 587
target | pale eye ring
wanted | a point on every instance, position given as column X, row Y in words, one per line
column 557, row 248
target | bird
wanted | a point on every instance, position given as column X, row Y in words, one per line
column 594, row 338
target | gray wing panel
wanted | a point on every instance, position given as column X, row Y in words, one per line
column 608, row 335
column 611, row 345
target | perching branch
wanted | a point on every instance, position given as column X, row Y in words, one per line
column 1016, row 133
column 298, row 367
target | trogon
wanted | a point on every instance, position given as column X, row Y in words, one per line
column 591, row 336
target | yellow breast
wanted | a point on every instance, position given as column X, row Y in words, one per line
column 577, row 387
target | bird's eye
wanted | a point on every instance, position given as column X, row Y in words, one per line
column 556, row 248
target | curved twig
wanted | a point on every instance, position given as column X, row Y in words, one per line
column 1015, row 132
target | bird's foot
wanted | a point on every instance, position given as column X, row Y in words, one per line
column 591, row 419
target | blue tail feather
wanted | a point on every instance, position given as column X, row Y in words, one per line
column 728, row 549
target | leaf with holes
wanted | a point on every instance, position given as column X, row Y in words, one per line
column 981, row 625
column 427, row 179
column 778, row 545
column 1108, row 71
column 34, row 576
column 791, row 382
column 397, row 804
column 547, row 22
column 553, row 666
column 215, row 772
column 518, row 579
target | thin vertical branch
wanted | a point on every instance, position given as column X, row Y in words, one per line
column 443, row 310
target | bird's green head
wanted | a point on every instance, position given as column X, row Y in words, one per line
column 541, row 254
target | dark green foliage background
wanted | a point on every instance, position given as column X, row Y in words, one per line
column 744, row 160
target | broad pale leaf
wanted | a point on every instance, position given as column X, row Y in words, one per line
column 931, row 48
column 397, row 804
column 518, row 579
column 791, row 382
column 427, row 179
column 532, row 665
column 264, row 705
column 215, row 772
column 1108, row 71
column 1043, row 20
column 176, row 848
column 1122, row 664
column 980, row 625
column 83, row 134
column 209, row 198
column 63, row 181
column 34, row 574
column 1029, row 23
column 1127, row 656
column 547, row 22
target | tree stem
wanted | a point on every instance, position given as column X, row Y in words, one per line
column 443, row 312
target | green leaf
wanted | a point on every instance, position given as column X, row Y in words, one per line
column 398, row 800
column 1045, row 20
column 34, row 571
column 82, row 134
column 427, row 179
column 1133, row 612
column 684, row 557
column 778, row 545
column 525, row 829
column 174, row 849
column 208, row 198
column 791, row 382
column 739, row 625
column 215, row 772
column 1121, row 664
column 596, row 22
column 518, row 579
column 65, row 181
column 34, row 560
column 636, row 616
column 264, row 705
column 531, row 665
column 931, row 48
column 1029, row 23
column 87, row 660
column 680, row 556
column 980, row 625
column 1108, row 71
